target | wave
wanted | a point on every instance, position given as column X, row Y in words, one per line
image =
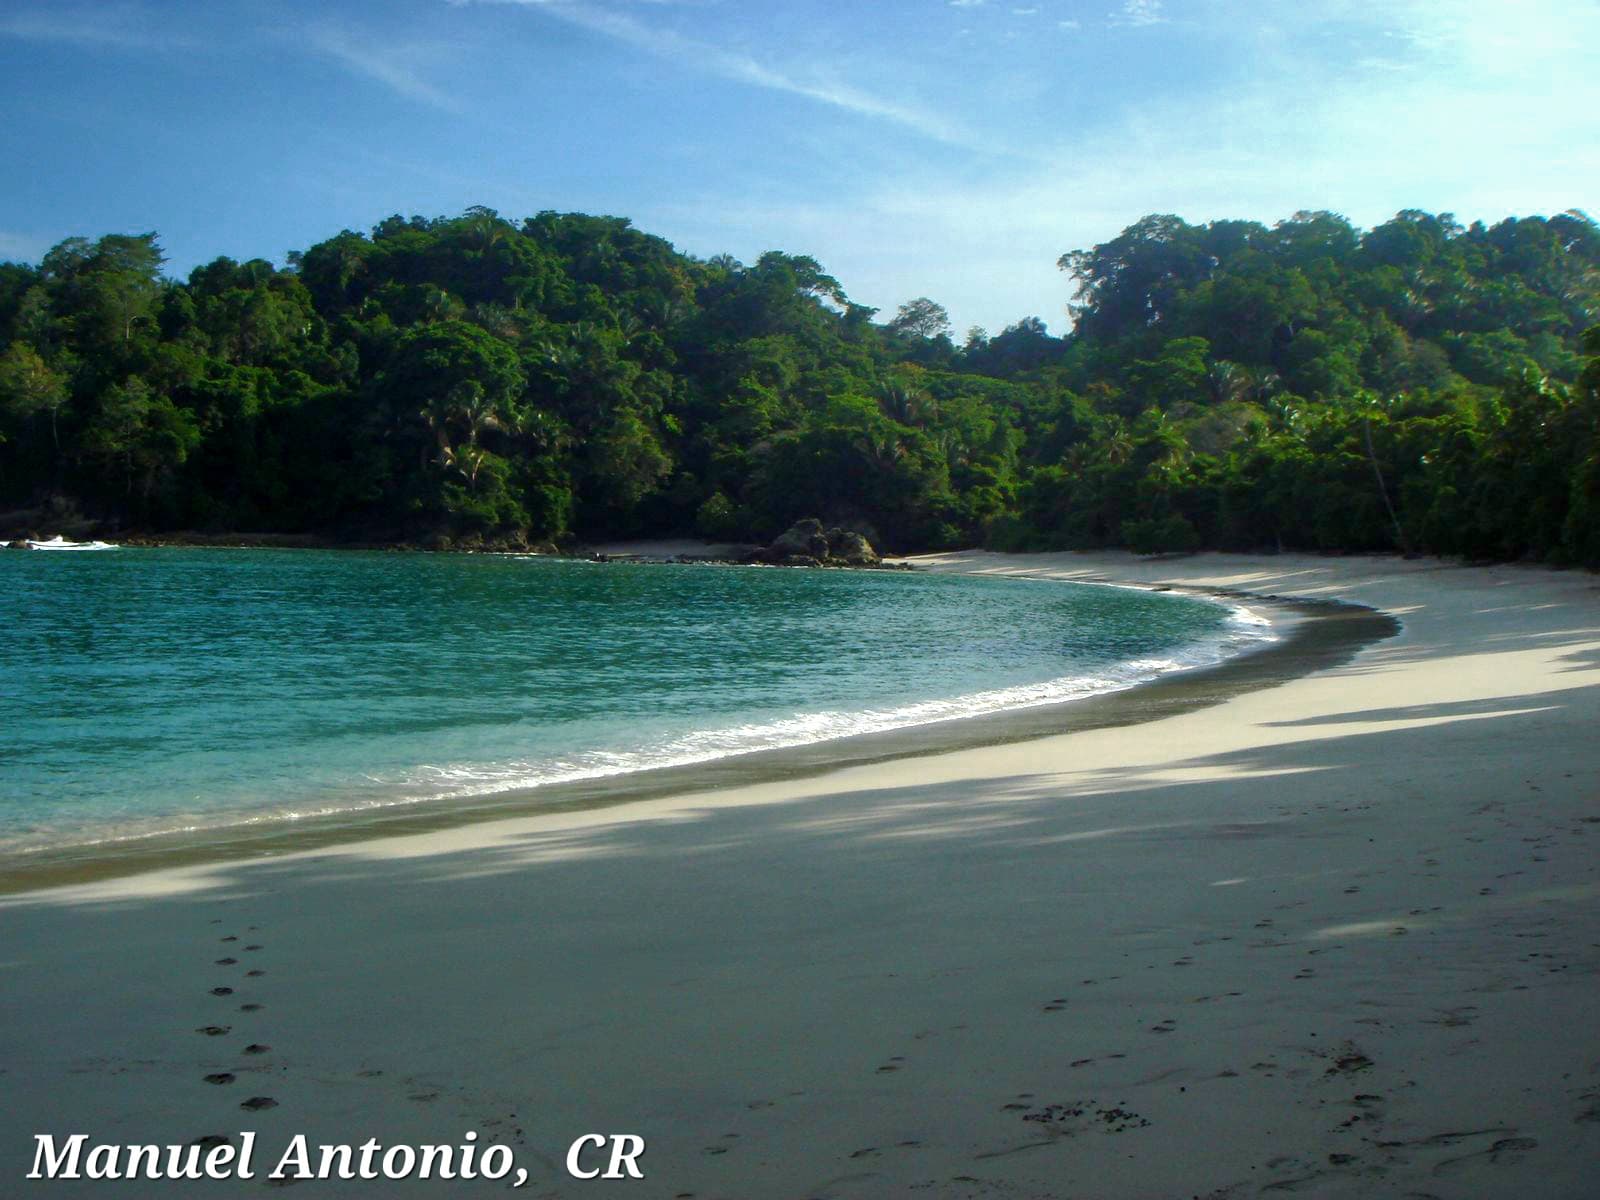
column 1244, row 630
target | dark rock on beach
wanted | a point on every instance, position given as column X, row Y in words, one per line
column 803, row 539
column 807, row 544
column 851, row 548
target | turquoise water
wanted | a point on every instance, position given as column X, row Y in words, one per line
column 162, row 689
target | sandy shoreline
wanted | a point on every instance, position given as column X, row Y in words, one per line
column 1336, row 937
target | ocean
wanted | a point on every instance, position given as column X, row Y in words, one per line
column 149, row 691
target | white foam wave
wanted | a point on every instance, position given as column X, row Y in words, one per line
column 1244, row 631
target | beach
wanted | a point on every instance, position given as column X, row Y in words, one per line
column 1335, row 937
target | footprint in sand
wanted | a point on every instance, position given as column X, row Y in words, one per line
column 250, row 1007
column 220, row 1077
column 1370, row 1106
column 1350, row 1061
column 222, row 991
column 210, row 1141
column 256, row 1048
column 892, row 1065
column 254, row 974
column 226, row 962
column 1056, row 1005
column 257, row 1103
column 1506, row 1152
column 1166, row 1026
column 214, row 1030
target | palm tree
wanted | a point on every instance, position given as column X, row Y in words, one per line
column 900, row 402
column 1226, row 381
column 1264, row 385
column 1116, row 442
column 486, row 226
column 1282, row 415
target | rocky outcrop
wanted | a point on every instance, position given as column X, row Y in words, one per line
column 807, row 544
column 803, row 539
column 851, row 548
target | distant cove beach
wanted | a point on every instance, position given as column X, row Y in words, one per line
column 1335, row 936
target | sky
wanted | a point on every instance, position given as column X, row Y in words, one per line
column 953, row 149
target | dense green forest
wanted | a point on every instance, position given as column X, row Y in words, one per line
column 1421, row 386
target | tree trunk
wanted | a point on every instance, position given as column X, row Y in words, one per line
column 1383, row 490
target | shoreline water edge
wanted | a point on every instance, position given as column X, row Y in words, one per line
column 1304, row 636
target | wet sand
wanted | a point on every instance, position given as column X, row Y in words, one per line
column 1335, row 937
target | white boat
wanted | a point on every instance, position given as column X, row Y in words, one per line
column 60, row 543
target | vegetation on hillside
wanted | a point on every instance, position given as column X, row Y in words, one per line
column 1420, row 386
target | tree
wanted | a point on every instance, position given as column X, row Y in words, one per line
column 143, row 434
column 921, row 318
column 29, row 387
column 105, row 289
column 627, row 461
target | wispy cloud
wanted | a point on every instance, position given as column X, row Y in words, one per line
column 1139, row 13
column 968, row 3
column 394, row 66
column 1505, row 107
column 816, row 82
column 117, row 27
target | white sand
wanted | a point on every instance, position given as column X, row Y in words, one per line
column 1335, row 938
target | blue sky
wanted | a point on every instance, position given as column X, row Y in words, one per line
column 948, row 148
